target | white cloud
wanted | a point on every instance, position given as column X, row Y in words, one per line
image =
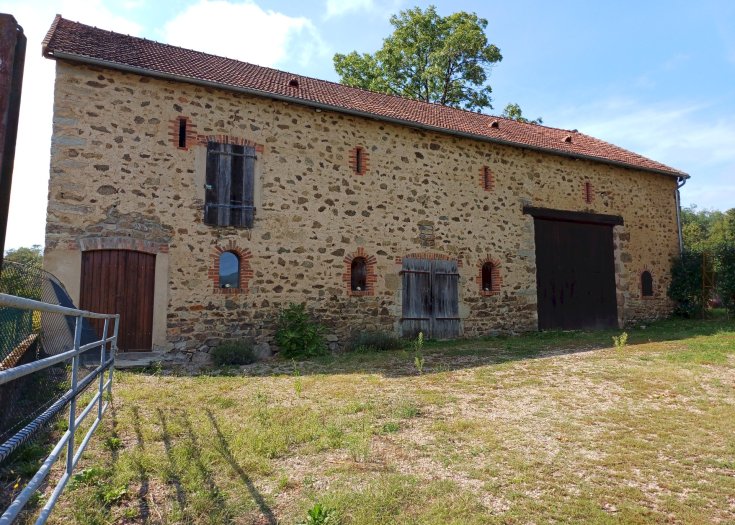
column 27, row 217
column 693, row 137
column 340, row 7
column 375, row 8
column 244, row 31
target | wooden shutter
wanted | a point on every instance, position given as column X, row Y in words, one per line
column 248, row 187
column 210, row 191
column 416, row 297
column 223, row 183
column 445, row 299
column 230, row 185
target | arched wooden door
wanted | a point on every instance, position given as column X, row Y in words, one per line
column 121, row 281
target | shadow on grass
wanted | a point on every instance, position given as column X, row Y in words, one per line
column 205, row 474
column 174, row 474
column 443, row 356
column 223, row 448
column 143, row 478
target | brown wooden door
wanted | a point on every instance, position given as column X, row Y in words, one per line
column 121, row 281
column 575, row 275
column 430, row 298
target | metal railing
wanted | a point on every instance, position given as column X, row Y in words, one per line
column 67, row 440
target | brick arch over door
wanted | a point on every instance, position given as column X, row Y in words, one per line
column 121, row 281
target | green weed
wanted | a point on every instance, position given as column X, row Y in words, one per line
column 620, row 341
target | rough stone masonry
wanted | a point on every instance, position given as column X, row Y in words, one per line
column 121, row 180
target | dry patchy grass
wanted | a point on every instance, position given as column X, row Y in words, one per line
column 535, row 429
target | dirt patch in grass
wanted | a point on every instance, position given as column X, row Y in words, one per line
column 536, row 429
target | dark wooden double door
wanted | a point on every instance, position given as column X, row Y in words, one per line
column 430, row 298
column 575, row 275
column 121, row 281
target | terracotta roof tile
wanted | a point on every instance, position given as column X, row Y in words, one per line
column 75, row 41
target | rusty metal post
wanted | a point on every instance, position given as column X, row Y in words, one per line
column 12, row 59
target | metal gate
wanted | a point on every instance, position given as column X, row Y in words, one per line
column 106, row 347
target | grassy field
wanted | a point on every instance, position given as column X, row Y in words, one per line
column 543, row 428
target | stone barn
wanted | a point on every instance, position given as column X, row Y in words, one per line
column 198, row 195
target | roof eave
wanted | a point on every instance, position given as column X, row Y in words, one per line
column 339, row 109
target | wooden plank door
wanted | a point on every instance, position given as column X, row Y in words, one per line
column 575, row 275
column 430, row 298
column 445, row 300
column 416, row 297
column 121, row 281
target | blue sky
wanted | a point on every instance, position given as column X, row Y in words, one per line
column 656, row 77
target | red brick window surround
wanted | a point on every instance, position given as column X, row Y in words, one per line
column 182, row 133
column 228, row 284
column 358, row 160
column 646, row 284
column 487, row 179
column 431, row 257
column 359, row 276
column 488, row 277
column 589, row 192
column 229, row 139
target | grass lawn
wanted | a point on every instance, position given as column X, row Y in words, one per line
column 552, row 427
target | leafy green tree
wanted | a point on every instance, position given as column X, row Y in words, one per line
column 707, row 230
column 30, row 257
column 725, row 267
column 22, row 277
column 445, row 60
column 513, row 111
column 711, row 232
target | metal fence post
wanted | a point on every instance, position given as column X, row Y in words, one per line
column 103, row 358
column 73, row 404
column 113, row 352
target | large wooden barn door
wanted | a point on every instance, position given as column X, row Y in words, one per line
column 575, row 275
column 121, row 281
column 430, row 298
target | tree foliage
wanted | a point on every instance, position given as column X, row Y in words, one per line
column 21, row 277
column 445, row 60
column 725, row 268
column 707, row 230
column 686, row 284
column 513, row 111
column 29, row 257
column 711, row 232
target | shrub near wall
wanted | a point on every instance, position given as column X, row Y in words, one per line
column 686, row 280
column 686, row 284
column 297, row 335
column 725, row 268
column 233, row 353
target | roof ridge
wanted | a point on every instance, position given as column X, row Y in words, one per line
column 80, row 42
column 283, row 71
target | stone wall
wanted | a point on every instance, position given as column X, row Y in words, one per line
column 117, row 169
